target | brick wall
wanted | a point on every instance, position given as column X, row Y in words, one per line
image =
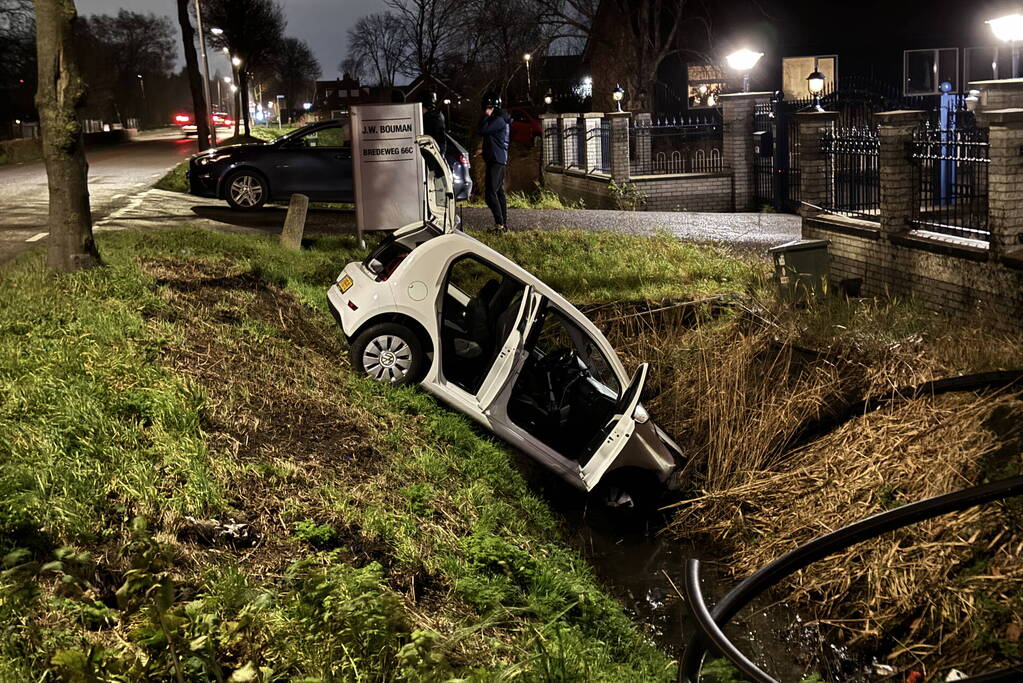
column 686, row 192
column 572, row 186
column 941, row 276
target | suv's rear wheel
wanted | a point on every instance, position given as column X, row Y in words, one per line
column 388, row 352
column 246, row 190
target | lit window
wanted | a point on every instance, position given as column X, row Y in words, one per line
column 925, row 70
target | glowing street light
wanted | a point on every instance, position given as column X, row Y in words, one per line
column 1010, row 29
column 815, row 84
column 237, row 61
column 743, row 61
column 618, row 95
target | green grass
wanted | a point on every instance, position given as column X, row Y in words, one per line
column 174, row 180
column 590, row 267
column 541, row 198
column 20, row 151
column 397, row 543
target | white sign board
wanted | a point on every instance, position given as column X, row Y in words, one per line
column 389, row 173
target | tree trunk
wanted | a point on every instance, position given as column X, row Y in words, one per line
column 243, row 89
column 58, row 99
column 202, row 117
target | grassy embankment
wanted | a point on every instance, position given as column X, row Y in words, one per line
column 196, row 381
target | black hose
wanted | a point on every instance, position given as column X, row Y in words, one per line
column 817, row 549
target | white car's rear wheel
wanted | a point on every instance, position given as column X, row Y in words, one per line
column 388, row 352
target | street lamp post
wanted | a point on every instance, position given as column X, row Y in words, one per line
column 205, row 73
column 142, row 86
column 1010, row 29
column 548, row 100
column 280, row 110
column 743, row 61
column 529, row 85
column 447, row 108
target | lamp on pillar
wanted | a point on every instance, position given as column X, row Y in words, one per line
column 743, row 61
column 1010, row 29
column 548, row 100
column 618, row 94
column 815, row 84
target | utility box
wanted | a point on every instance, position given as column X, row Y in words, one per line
column 763, row 143
column 801, row 269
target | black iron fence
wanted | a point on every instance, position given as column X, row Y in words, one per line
column 953, row 181
column 598, row 141
column 854, row 178
column 552, row 146
column 676, row 145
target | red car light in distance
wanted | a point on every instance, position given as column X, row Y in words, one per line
column 182, row 118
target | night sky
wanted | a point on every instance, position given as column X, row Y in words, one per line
column 321, row 23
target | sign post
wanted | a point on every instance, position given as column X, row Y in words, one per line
column 389, row 172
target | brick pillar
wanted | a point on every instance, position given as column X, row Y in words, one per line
column 569, row 151
column 1000, row 94
column 1005, row 178
column 737, row 114
column 619, row 145
column 641, row 145
column 591, row 123
column 547, row 122
column 900, row 182
column 813, row 164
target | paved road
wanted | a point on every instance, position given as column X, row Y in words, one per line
column 117, row 174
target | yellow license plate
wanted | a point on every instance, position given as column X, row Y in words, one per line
column 344, row 284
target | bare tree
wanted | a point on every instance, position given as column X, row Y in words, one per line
column 117, row 52
column 432, row 28
column 295, row 71
column 17, row 55
column 252, row 31
column 201, row 114
column 61, row 90
column 354, row 68
column 377, row 46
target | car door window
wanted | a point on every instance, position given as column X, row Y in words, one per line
column 478, row 313
column 567, row 389
column 332, row 138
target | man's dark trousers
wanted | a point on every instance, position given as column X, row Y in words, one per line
column 494, row 193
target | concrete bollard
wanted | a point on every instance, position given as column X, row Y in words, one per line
column 294, row 223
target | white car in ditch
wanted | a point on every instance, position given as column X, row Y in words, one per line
column 435, row 306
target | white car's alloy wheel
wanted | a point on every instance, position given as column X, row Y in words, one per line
column 246, row 191
column 387, row 358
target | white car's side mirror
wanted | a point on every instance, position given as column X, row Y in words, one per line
column 640, row 414
column 375, row 267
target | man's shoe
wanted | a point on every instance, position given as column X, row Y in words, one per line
column 499, row 229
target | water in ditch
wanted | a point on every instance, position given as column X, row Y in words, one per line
column 644, row 569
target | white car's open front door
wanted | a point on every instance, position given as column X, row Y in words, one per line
column 615, row 434
column 512, row 354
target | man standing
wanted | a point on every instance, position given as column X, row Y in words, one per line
column 495, row 130
column 433, row 120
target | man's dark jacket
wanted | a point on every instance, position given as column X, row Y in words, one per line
column 495, row 130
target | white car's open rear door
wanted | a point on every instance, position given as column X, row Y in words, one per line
column 512, row 355
column 615, row 434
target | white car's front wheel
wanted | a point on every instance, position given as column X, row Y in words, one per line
column 388, row 352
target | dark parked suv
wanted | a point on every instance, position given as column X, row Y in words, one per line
column 315, row 160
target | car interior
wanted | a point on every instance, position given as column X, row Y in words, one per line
column 567, row 392
column 332, row 137
column 479, row 311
